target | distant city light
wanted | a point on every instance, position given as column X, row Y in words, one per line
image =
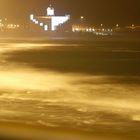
column 41, row 24
column 117, row 25
column 12, row 26
column 46, row 27
column 82, row 17
column 90, row 29
column 87, row 30
column 36, row 22
column 77, row 29
column 50, row 22
column 32, row 17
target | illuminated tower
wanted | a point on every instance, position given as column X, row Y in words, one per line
column 49, row 22
column 50, row 11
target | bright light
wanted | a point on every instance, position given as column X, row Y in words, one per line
column 87, row 30
column 50, row 11
column 90, row 29
column 73, row 30
column 82, row 17
column 12, row 26
column 77, row 29
column 46, row 27
column 31, row 17
column 41, row 24
column 117, row 25
column 58, row 20
column 36, row 22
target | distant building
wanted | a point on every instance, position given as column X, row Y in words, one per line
column 49, row 22
column 7, row 25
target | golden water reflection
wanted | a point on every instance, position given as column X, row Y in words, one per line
column 57, row 99
column 59, row 88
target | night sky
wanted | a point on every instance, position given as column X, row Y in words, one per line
column 96, row 11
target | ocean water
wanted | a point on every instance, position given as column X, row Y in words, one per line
column 90, row 86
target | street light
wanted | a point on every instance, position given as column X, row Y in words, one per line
column 82, row 17
column 117, row 25
column 133, row 26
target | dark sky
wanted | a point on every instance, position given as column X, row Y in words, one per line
column 96, row 11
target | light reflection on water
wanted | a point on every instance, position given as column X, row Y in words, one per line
column 97, row 99
column 4, row 47
column 70, row 88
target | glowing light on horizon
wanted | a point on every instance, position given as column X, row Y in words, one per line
column 90, row 29
column 55, row 20
column 32, row 17
column 82, row 17
column 41, row 24
column 36, row 22
column 12, row 26
column 87, row 30
column 46, row 27
column 117, row 25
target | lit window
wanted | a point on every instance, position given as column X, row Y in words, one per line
column 41, row 24
column 46, row 27
column 50, row 11
column 36, row 22
column 31, row 17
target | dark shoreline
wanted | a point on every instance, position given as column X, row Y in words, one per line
column 68, row 36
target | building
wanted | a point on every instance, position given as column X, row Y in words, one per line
column 7, row 25
column 49, row 22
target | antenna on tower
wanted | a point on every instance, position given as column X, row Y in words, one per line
column 50, row 11
column 50, row 3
